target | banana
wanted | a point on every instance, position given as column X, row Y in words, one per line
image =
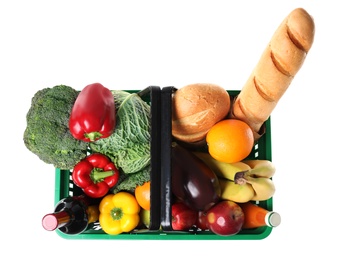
column 261, row 168
column 221, row 169
column 263, row 187
column 243, row 181
column 239, row 193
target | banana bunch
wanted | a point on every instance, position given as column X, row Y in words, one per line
column 243, row 181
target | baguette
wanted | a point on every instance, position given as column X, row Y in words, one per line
column 275, row 70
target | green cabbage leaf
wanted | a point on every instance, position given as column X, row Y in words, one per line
column 129, row 145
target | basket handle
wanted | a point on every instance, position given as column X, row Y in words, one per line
column 155, row 149
column 166, row 165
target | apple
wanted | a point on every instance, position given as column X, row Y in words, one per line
column 202, row 220
column 225, row 218
column 145, row 217
column 183, row 217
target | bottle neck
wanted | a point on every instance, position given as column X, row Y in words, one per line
column 256, row 216
column 56, row 220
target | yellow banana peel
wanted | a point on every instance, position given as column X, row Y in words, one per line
column 243, row 181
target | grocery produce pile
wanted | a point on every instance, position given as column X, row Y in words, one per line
column 102, row 137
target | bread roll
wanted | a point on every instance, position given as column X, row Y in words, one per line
column 275, row 70
column 196, row 108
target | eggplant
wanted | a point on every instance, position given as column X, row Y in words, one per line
column 192, row 181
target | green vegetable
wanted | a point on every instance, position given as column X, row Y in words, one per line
column 130, row 181
column 47, row 134
column 129, row 145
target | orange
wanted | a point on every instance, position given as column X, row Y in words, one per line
column 230, row 140
column 142, row 195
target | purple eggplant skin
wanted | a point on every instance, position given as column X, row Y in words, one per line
column 192, row 181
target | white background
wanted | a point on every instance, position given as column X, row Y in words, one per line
column 133, row 45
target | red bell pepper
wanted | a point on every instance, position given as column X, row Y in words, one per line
column 95, row 175
column 93, row 115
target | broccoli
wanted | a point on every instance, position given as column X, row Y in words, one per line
column 129, row 182
column 47, row 133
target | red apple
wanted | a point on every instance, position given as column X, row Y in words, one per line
column 183, row 217
column 202, row 220
column 225, row 218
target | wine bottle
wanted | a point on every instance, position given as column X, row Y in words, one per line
column 71, row 215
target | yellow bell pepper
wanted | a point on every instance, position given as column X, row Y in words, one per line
column 119, row 213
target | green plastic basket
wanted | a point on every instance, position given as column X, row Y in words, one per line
column 160, row 227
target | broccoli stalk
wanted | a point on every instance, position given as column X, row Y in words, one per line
column 47, row 134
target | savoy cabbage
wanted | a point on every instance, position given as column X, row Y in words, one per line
column 129, row 145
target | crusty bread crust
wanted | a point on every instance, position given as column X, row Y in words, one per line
column 275, row 70
column 196, row 108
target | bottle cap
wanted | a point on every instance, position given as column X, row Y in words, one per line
column 50, row 222
column 272, row 219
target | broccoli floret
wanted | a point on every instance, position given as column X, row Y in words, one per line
column 129, row 182
column 47, row 133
